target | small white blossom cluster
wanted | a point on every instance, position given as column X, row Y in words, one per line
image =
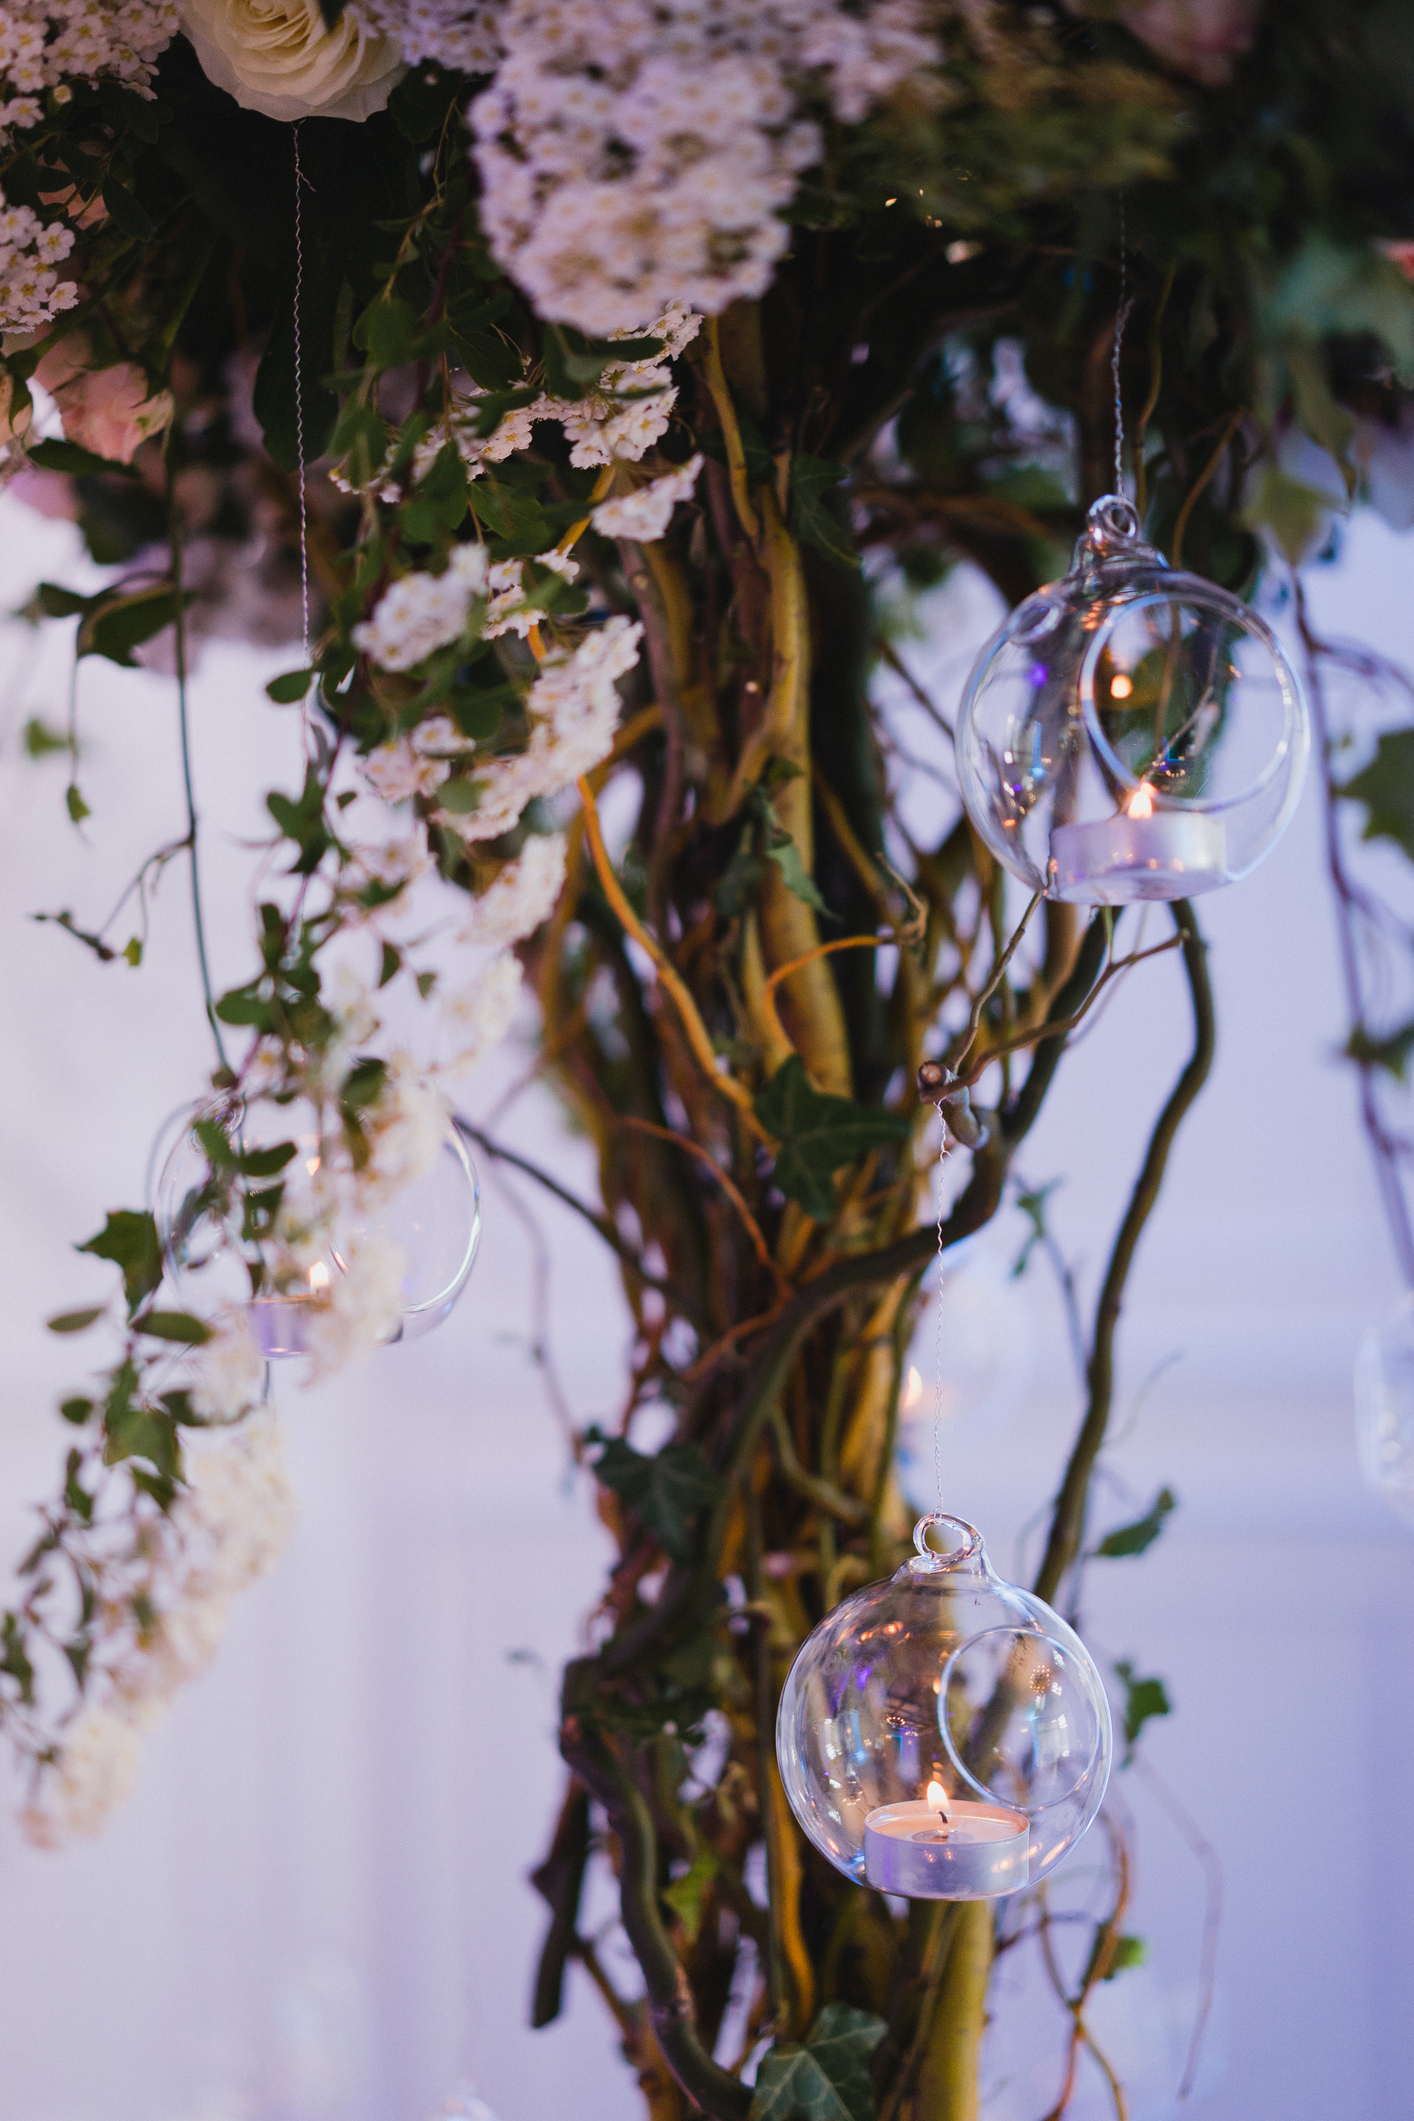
column 573, row 710
column 508, row 611
column 44, row 43
column 633, row 151
column 522, row 896
column 423, row 612
column 228, row 1526
column 645, row 514
column 462, row 35
column 477, row 1017
column 31, row 292
column 416, row 764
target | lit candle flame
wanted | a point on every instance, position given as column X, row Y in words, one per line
column 938, row 1805
column 311, row 1165
column 1120, row 687
column 1141, row 803
column 912, row 1390
column 319, row 1277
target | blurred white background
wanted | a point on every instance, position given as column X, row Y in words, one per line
column 316, row 1908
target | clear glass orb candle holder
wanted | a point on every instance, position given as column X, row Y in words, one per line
column 944, row 1734
column 204, row 1222
column 1131, row 732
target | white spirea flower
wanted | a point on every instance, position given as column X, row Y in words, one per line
column 508, row 611
column 633, row 151
column 405, row 1128
column 646, row 513
column 573, row 709
column 236, row 1513
column 522, row 896
column 476, row 1018
column 422, row 612
column 364, row 1307
column 229, row 1370
column 186, row 1639
column 31, row 292
column 44, row 43
column 101, row 1753
column 462, row 35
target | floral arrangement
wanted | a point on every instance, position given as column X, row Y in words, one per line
column 585, row 382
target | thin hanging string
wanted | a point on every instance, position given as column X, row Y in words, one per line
column 943, row 1146
column 1126, row 303
column 300, row 181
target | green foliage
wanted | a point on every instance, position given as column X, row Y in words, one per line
column 818, row 1133
column 294, row 685
column 129, row 1239
column 1143, row 1699
column 1386, row 788
column 1390, row 1052
column 812, row 519
column 687, row 1895
column 75, row 1321
column 39, row 741
column 665, row 1492
column 825, row 2077
column 1138, row 1537
column 180, row 1326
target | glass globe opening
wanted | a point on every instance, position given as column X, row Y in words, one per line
column 212, row 1221
column 944, row 1690
column 1130, row 732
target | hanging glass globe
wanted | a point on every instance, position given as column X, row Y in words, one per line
column 1384, row 1410
column 216, row 1241
column 1131, row 732
column 943, row 1734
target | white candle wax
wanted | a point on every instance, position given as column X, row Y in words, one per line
column 1140, row 857
column 983, row 1854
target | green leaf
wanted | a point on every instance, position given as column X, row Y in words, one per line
column 812, row 519
column 114, row 628
column 440, row 501
column 129, row 1239
column 128, row 212
column 39, row 741
column 70, row 457
column 76, row 1410
column 1386, row 788
column 77, row 808
column 75, row 1321
column 390, row 965
column 827, row 2077
column 1138, row 1537
column 132, row 951
column 665, row 1492
column 57, row 603
column 1391, row 1052
column 817, row 1134
column 284, row 691
column 173, row 1325
column 686, row 1895
column 1143, row 1698
column 387, row 331
column 1129, row 1951
column 782, row 850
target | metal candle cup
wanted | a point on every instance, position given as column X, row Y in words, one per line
column 1134, row 856
column 982, row 1854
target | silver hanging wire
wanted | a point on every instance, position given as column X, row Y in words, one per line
column 1126, row 303
column 943, row 1146
column 300, row 181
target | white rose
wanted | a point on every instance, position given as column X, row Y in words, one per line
column 278, row 57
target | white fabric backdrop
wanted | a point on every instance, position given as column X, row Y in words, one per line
column 315, row 1908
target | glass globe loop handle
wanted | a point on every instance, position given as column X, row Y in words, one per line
column 966, row 1548
column 1176, row 588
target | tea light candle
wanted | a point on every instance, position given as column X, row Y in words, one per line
column 1156, row 847
column 278, row 1322
column 934, row 1850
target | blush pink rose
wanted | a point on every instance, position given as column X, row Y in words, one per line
column 108, row 410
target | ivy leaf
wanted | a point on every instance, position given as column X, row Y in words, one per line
column 1143, row 1698
column 817, row 1134
column 129, row 1239
column 1392, row 1052
column 812, row 519
column 782, row 850
column 75, row 1321
column 1386, row 788
column 664, row 1492
column 1138, row 1537
column 827, row 2077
